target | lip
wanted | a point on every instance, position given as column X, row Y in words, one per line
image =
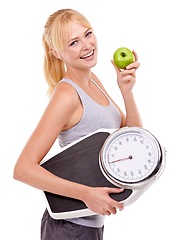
column 87, row 55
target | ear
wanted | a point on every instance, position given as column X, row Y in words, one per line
column 55, row 53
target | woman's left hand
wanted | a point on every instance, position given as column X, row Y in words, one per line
column 126, row 78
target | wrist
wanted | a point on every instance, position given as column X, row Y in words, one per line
column 127, row 95
column 84, row 193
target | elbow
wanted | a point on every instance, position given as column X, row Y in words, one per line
column 139, row 125
column 18, row 173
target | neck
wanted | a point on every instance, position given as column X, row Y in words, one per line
column 81, row 78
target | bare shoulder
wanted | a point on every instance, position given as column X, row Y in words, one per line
column 61, row 106
column 63, row 99
column 64, row 92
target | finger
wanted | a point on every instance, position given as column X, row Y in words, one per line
column 116, row 68
column 115, row 190
column 107, row 213
column 110, row 211
column 115, row 204
column 127, row 72
column 134, row 65
column 113, row 210
column 118, row 205
column 135, row 55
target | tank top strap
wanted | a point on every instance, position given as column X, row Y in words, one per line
column 84, row 96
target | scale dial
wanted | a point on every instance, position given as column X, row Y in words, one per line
column 130, row 155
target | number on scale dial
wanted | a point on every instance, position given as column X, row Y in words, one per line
column 131, row 157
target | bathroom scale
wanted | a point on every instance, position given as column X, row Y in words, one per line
column 131, row 158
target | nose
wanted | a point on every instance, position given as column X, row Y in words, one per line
column 86, row 44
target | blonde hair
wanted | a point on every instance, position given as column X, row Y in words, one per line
column 54, row 37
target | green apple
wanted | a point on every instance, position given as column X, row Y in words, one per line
column 123, row 57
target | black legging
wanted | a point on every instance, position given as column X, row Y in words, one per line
column 52, row 229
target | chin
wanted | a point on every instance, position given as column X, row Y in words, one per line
column 93, row 65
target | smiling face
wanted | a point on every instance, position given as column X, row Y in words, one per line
column 80, row 47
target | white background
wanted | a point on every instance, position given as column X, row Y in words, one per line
column 155, row 30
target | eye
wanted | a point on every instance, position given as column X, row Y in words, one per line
column 89, row 33
column 73, row 43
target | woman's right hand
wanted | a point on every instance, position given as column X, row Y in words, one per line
column 98, row 200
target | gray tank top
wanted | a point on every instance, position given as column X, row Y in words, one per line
column 95, row 116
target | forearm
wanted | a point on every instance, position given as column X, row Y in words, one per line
column 39, row 178
column 133, row 117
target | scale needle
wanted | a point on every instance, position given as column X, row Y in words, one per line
column 121, row 159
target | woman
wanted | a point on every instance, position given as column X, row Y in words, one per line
column 77, row 98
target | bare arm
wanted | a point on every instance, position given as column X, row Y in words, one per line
column 126, row 80
column 61, row 108
column 27, row 168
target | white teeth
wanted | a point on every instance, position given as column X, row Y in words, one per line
column 88, row 55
